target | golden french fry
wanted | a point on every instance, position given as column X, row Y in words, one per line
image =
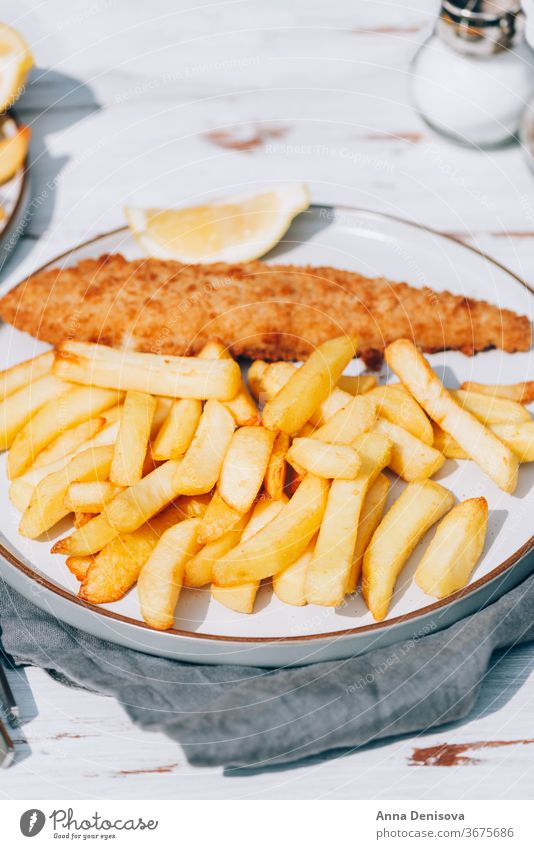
column 280, row 542
column 47, row 505
column 178, row 429
column 218, row 519
column 116, row 568
column 132, row 441
column 201, row 466
column 491, row 409
column 323, row 459
column 421, row 505
column 523, row 392
column 370, row 516
column 174, row 377
column 90, row 496
column 495, row 458
column 357, row 385
column 241, row 597
column 266, row 380
column 89, row 539
column 16, row 377
column 137, row 504
column 330, row 574
column 68, row 441
column 519, row 437
column 455, row 549
column 411, row 458
column 397, row 406
column 244, row 466
column 242, row 406
column 448, row 446
column 290, row 585
column 358, row 416
column 198, row 570
column 162, row 575
column 309, row 386
column 275, row 475
column 79, row 566
column 21, row 489
column 81, row 519
column 193, row 506
column 17, row 409
column 70, row 409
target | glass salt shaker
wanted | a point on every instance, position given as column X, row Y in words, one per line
column 473, row 77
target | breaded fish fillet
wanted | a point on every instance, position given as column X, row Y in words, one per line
column 257, row 310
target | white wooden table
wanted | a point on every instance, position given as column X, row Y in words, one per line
column 169, row 102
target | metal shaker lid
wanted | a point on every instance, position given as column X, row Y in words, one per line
column 481, row 27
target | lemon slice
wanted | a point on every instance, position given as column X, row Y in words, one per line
column 232, row 229
column 15, row 62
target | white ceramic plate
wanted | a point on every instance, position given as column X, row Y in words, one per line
column 277, row 634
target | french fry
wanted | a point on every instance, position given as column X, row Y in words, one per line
column 201, row 466
column 17, row 409
column 491, row 409
column 280, row 542
column 242, row 406
column 357, row 417
column 421, row 505
column 193, row 506
column 87, row 540
column 495, row 458
column 370, row 517
column 455, row 549
column 16, row 377
column 68, row 441
column 275, row 475
column 523, row 392
column 241, row 597
column 357, row 385
column 266, row 380
column 81, row 519
column 79, row 566
column 47, row 505
column 198, row 570
column 21, row 489
column 411, row 458
column 330, row 574
column 290, row 585
column 116, row 568
column 178, row 429
column 396, row 405
column 174, row 377
column 132, row 440
column 137, row 504
column 244, row 467
column 162, row 575
column 70, row 409
column 323, row 459
column 218, row 519
column 518, row 437
column 90, row 496
column 309, row 386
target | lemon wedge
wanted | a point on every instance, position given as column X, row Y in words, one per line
column 15, row 62
column 231, row 229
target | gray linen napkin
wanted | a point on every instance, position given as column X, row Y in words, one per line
column 249, row 717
